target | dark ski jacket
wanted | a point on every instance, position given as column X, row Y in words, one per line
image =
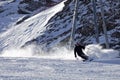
column 78, row 50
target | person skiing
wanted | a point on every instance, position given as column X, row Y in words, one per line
column 78, row 51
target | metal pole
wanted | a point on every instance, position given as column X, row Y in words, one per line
column 74, row 25
column 104, row 25
column 95, row 21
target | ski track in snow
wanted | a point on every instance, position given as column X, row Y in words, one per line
column 55, row 69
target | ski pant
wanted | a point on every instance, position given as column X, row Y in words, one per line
column 84, row 56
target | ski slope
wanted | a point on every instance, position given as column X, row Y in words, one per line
column 31, row 28
column 55, row 69
column 59, row 64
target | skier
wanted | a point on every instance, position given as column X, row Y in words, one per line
column 78, row 51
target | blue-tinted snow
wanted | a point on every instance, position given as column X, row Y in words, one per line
column 31, row 28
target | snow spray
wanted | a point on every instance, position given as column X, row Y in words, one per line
column 97, row 52
column 58, row 52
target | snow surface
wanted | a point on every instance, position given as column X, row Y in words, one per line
column 48, row 69
column 30, row 29
column 31, row 63
column 60, row 64
column 9, row 15
column 95, row 51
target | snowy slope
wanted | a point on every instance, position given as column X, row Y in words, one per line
column 8, row 14
column 59, row 63
column 31, row 28
column 61, row 25
column 54, row 69
column 58, row 28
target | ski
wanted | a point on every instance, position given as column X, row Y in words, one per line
column 88, row 60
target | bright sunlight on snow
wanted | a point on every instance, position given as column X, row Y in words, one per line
column 59, row 64
column 32, row 63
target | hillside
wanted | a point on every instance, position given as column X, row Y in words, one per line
column 18, row 34
column 61, row 24
column 55, row 30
